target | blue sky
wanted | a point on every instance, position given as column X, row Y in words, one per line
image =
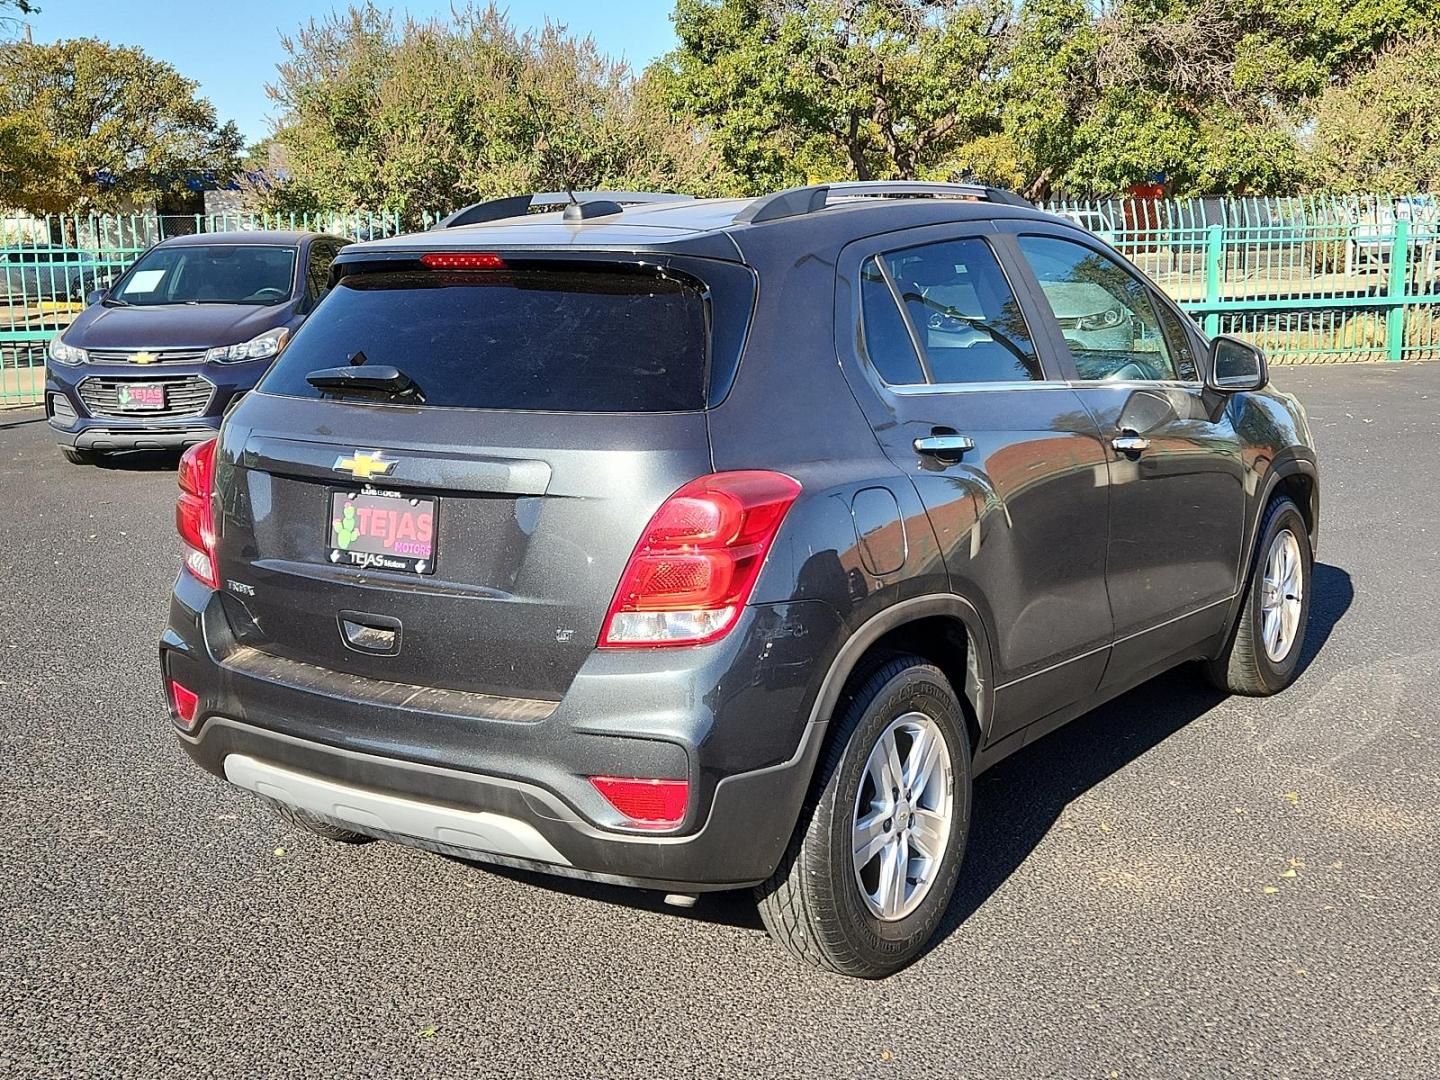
column 231, row 47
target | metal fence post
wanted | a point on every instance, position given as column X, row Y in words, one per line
column 1214, row 253
column 1395, row 297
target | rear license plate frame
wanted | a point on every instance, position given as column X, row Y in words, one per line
column 415, row 558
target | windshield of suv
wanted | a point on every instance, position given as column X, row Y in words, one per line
column 567, row 339
column 209, row 274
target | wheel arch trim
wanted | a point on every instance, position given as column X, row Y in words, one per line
column 1284, row 465
column 979, row 688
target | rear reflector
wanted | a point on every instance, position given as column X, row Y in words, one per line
column 649, row 804
column 463, row 260
column 185, row 702
column 697, row 560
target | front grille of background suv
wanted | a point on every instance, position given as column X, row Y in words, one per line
column 185, row 395
column 162, row 356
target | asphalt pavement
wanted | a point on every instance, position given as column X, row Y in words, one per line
column 1178, row 885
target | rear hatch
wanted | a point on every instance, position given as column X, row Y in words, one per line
column 464, row 527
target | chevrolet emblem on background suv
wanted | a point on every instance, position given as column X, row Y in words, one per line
column 364, row 464
column 143, row 358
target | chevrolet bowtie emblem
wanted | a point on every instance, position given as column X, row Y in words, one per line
column 143, row 358
column 365, row 464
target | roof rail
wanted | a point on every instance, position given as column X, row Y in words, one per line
column 793, row 202
column 590, row 204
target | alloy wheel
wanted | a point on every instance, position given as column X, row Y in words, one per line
column 903, row 815
column 1281, row 595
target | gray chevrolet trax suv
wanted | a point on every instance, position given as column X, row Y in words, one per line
column 719, row 544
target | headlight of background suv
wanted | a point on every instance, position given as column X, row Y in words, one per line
column 65, row 354
column 257, row 348
column 1105, row 320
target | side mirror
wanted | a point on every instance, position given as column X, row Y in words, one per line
column 1236, row 365
column 95, row 296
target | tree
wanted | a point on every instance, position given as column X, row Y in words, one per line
column 431, row 115
column 1053, row 97
column 24, row 7
column 86, row 125
column 789, row 91
column 1380, row 131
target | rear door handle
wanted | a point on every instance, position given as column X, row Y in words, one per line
column 1130, row 444
column 944, row 446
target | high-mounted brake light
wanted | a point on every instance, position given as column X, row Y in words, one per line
column 697, row 560
column 649, row 804
column 463, row 260
column 195, row 511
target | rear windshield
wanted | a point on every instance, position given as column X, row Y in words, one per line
column 571, row 340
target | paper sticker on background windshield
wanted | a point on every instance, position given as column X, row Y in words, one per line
column 144, row 281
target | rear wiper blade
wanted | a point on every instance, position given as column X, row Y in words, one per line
column 370, row 379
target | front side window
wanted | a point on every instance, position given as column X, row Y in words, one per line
column 1106, row 313
column 963, row 312
column 209, row 274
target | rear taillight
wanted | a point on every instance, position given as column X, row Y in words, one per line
column 648, row 804
column 185, row 702
column 195, row 511
column 697, row 560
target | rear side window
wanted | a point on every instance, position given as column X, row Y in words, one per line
column 963, row 312
column 563, row 339
column 887, row 341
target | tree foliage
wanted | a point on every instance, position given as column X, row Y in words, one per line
column 1050, row 96
column 86, row 125
column 1380, row 131
column 789, row 90
column 428, row 115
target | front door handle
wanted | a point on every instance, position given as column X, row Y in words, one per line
column 944, row 446
column 1130, row 444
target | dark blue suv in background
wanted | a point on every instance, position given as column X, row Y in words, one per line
column 157, row 359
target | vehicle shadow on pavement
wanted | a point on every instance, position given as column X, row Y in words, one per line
column 8, row 423
column 1019, row 801
column 140, row 461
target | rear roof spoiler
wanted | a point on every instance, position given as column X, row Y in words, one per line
column 578, row 205
column 795, row 202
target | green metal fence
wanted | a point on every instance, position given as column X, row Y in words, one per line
column 49, row 265
column 1311, row 280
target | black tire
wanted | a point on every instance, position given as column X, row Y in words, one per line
column 812, row 905
column 1244, row 666
column 79, row 457
column 303, row 819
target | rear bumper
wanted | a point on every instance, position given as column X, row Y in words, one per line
column 734, row 722
column 514, row 823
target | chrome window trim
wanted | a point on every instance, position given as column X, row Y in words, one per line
column 913, row 389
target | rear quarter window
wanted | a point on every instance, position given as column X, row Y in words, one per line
column 565, row 339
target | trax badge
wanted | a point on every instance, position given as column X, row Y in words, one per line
column 365, row 464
